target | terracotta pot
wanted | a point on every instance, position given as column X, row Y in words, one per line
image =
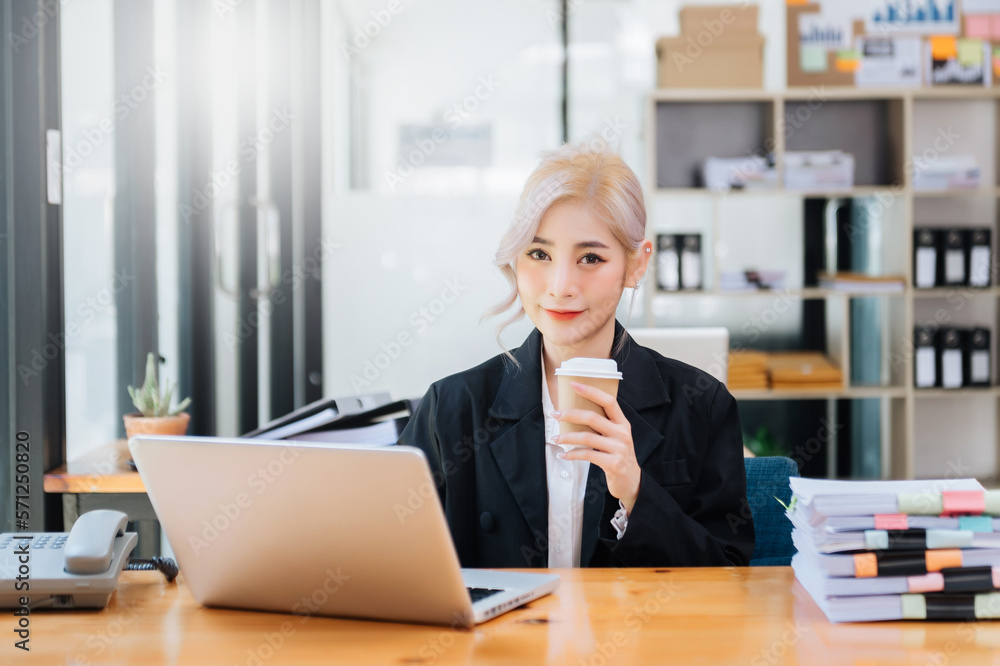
column 137, row 424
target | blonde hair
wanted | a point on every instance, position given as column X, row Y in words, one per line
column 587, row 173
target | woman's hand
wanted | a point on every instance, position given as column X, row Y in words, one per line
column 609, row 447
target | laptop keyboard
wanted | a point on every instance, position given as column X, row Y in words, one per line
column 478, row 593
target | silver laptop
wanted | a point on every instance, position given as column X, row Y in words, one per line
column 318, row 529
column 705, row 348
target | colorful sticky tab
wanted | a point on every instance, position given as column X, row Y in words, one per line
column 978, row 26
column 812, row 58
column 949, row 539
column 891, row 521
column 992, row 497
column 940, row 559
column 932, row 582
column 865, row 565
column 944, row 47
column 975, row 523
column 876, row 539
column 987, row 606
column 970, row 52
column 914, row 606
column 920, row 504
column 848, row 61
column 954, row 502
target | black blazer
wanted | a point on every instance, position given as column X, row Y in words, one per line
column 483, row 433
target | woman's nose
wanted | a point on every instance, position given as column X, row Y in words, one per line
column 562, row 281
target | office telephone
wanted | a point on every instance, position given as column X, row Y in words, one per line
column 59, row 570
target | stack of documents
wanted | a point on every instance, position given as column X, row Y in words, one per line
column 897, row 550
column 860, row 282
column 819, row 170
column 753, row 280
column 947, row 172
column 751, row 173
column 371, row 418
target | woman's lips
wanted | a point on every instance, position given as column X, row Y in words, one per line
column 563, row 316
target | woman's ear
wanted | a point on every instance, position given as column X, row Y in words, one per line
column 641, row 263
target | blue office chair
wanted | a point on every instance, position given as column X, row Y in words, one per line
column 767, row 478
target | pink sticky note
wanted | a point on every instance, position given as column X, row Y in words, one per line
column 958, row 502
column 996, row 25
column 979, row 26
column 932, row 582
column 890, row 521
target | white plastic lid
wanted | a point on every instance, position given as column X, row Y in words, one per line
column 604, row 368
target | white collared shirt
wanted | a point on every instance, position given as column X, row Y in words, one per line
column 567, row 487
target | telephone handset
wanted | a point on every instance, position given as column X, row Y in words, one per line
column 58, row 570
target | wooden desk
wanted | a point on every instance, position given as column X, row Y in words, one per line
column 103, row 479
column 756, row 616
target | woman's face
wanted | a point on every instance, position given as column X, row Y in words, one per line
column 571, row 276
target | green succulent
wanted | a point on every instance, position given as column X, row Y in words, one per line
column 764, row 443
column 148, row 399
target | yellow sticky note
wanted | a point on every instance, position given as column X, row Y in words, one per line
column 944, row 47
column 970, row 52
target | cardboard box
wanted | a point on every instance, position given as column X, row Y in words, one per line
column 682, row 62
column 719, row 20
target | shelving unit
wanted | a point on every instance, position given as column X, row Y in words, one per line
column 889, row 132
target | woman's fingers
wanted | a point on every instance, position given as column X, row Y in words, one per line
column 602, row 398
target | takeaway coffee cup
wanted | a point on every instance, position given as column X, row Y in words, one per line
column 601, row 373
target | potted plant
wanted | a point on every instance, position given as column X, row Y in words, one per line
column 155, row 416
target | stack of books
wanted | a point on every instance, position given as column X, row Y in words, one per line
column 897, row 550
column 747, row 370
column 819, row 170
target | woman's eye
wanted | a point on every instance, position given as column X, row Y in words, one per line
column 592, row 259
column 534, row 253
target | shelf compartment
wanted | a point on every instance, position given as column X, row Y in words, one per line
column 941, row 128
column 866, row 128
column 689, row 132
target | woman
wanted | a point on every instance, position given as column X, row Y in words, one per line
column 660, row 481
